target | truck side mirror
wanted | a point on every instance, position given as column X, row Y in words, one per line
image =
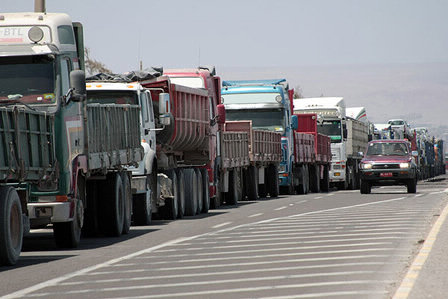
column 414, row 153
column 294, row 122
column 78, row 85
column 344, row 132
column 221, row 109
column 164, row 109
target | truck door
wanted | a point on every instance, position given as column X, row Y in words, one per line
column 147, row 130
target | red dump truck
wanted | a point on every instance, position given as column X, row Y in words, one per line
column 235, row 169
column 312, row 155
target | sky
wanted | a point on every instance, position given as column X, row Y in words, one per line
column 254, row 33
column 390, row 56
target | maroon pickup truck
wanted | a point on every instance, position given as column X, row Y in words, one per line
column 388, row 162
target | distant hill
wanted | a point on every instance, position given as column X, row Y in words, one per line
column 415, row 92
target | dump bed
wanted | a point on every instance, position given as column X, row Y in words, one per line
column 322, row 143
column 27, row 150
column 304, row 148
column 264, row 146
column 188, row 132
column 113, row 135
column 235, row 149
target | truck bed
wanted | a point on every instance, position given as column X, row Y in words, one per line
column 26, row 145
column 304, row 148
column 357, row 138
column 264, row 146
column 113, row 135
column 235, row 149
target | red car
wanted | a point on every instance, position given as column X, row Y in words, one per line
column 388, row 162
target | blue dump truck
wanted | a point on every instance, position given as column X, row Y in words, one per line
column 267, row 103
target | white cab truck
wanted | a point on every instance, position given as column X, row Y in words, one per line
column 349, row 137
column 151, row 191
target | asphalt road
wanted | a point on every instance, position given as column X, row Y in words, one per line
column 330, row 245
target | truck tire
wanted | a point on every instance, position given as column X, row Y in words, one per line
column 172, row 205
column 180, row 193
column 366, row 188
column 112, row 205
column 68, row 234
column 252, row 182
column 325, row 182
column 235, row 190
column 272, row 180
column 11, row 226
column 191, row 192
column 206, row 186
column 200, row 191
column 127, row 203
column 142, row 203
column 412, row 186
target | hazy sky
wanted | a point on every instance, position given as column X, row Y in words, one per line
column 246, row 33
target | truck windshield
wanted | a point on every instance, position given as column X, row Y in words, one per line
column 387, row 149
column 271, row 120
column 112, row 97
column 331, row 128
column 251, row 98
column 28, row 79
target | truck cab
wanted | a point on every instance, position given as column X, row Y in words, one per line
column 267, row 104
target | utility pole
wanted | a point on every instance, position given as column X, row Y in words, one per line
column 39, row 6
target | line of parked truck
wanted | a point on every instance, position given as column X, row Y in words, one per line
column 95, row 156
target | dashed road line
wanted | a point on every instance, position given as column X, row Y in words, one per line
column 221, row 225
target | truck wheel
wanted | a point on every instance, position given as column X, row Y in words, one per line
column 191, row 192
column 112, row 205
column 272, row 180
column 172, row 207
column 325, row 183
column 205, row 182
column 252, row 183
column 412, row 186
column 365, row 187
column 11, row 226
column 180, row 193
column 127, row 203
column 142, row 203
column 68, row 234
column 200, row 191
column 234, row 194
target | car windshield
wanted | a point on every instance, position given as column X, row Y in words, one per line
column 396, row 122
column 264, row 119
column 331, row 128
column 387, row 149
column 28, row 79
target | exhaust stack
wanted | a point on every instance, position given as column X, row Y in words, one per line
column 39, row 6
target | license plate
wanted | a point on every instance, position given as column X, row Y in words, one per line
column 386, row 174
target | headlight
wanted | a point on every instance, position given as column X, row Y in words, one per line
column 366, row 165
column 405, row 165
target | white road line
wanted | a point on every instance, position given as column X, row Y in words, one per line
column 221, row 225
column 277, row 255
column 248, row 279
column 223, row 291
column 327, row 294
column 318, row 197
column 255, row 215
column 302, row 201
column 281, row 208
column 223, row 253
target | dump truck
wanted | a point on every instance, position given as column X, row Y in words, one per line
column 63, row 159
column 237, row 169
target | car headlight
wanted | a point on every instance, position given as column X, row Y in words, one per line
column 405, row 165
column 366, row 165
